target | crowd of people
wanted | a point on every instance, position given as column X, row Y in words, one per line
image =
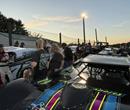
column 49, row 60
column 22, row 44
column 83, row 50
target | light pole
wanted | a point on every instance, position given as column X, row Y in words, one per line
column 83, row 15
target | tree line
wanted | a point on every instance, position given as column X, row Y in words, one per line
column 16, row 26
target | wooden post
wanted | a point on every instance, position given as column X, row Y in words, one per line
column 106, row 39
column 78, row 41
column 60, row 37
column 96, row 35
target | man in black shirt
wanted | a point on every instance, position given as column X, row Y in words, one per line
column 39, row 62
column 68, row 55
column 56, row 63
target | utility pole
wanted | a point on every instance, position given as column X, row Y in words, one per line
column 10, row 33
column 78, row 41
column 60, row 37
column 96, row 35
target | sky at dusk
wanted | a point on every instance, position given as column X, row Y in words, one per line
column 110, row 17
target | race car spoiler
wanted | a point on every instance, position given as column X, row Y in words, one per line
column 107, row 60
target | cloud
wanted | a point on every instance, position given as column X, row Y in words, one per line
column 35, row 24
column 120, row 25
column 66, row 19
column 40, row 21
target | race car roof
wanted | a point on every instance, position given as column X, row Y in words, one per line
column 15, row 49
column 19, row 51
column 107, row 60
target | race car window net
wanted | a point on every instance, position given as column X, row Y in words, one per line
column 94, row 69
column 82, row 71
column 103, row 69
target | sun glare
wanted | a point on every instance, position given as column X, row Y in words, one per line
column 84, row 15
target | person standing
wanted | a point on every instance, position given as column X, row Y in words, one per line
column 16, row 44
column 40, row 61
column 4, row 70
column 68, row 55
column 56, row 63
column 22, row 44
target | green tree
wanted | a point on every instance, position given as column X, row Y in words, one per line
column 3, row 23
column 17, row 26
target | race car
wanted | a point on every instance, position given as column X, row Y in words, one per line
column 114, row 52
column 79, row 87
column 19, row 60
column 86, row 91
column 109, row 51
column 19, row 53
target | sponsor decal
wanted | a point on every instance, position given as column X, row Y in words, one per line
column 49, row 98
column 105, row 101
column 53, row 101
column 98, row 101
column 111, row 103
